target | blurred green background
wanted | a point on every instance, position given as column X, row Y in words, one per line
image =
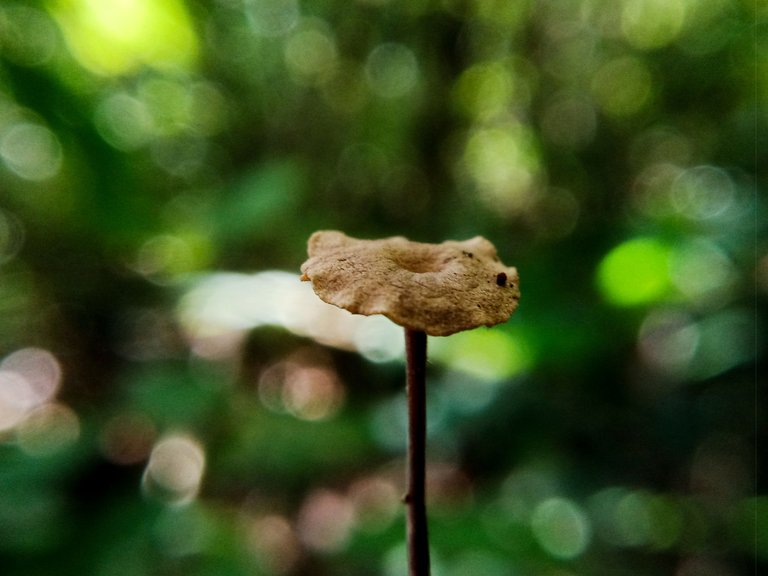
column 174, row 401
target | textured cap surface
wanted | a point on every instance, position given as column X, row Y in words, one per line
column 436, row 288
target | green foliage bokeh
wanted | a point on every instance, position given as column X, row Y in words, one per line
column 172, row 403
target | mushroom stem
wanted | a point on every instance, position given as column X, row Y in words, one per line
column 416, row 365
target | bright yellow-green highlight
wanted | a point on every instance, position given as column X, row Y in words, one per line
column 635, row 272
column 503, row 162
column 486, row 354
column 113, row 37
column 650, row 24
column 484, row 90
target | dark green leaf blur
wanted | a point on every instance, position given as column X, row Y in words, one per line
column 174, row 401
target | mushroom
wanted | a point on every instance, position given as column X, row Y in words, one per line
column 429, row 289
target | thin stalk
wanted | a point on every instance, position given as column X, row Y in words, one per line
column 416, row 367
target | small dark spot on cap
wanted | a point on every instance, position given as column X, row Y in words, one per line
column 469, row 254
column 501, row 279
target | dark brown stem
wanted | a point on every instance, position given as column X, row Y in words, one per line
column 416, row 367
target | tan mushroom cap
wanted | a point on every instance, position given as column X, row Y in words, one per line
column 439, row 289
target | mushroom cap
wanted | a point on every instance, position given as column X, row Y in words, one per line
column 439, row 289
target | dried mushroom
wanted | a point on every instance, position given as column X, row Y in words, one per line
column 439, row 289
column 435, row 289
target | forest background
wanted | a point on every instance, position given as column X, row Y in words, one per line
column 174, row 401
